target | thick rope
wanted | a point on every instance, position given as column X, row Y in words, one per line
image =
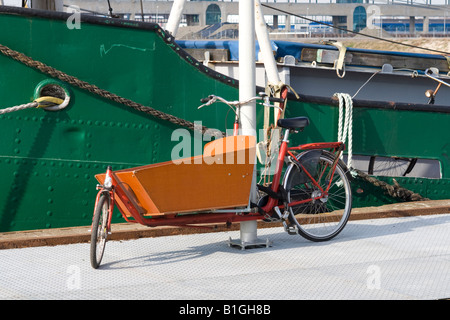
column 19, row 107
column 42, row 102
column 395, row 191
column 345, row 131
column 345, row 124
column 96, row 90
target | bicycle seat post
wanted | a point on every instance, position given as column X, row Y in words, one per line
column 236, row 122
column 286, row 135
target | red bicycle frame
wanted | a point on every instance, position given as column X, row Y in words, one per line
column 284, row 150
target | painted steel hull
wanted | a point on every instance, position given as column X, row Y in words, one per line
column 48, row 159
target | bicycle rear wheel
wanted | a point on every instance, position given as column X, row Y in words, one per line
column 324, row 218
column 99, row 230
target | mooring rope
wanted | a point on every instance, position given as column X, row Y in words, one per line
column 345, row 123
column 42, row 102
column 19, row 107
column 395, row 191
column 98, row 91
column 345, row 131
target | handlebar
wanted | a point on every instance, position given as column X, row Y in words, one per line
column 205, row 100
column 262, row 96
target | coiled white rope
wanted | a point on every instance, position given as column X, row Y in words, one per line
column 345, row 124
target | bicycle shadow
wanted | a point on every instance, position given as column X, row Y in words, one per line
column 354, row 231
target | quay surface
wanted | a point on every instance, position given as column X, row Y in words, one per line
column 396, row 252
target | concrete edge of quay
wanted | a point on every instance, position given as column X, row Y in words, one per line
column 128, row 231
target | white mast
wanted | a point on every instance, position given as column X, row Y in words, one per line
column 264, row 45
column 175, row 16
column 270, row 65
column 247, row 81
column 247, row 89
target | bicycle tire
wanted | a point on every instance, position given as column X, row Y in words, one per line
column 99, row 230
column 324, row 218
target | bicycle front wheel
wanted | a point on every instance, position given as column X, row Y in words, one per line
column 99, row 230
column 319, row 216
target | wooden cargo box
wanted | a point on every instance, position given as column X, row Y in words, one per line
column 220, row 178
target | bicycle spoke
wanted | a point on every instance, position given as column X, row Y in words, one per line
column 323, row 214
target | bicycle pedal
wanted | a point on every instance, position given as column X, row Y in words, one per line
column 291, row 230
column 282, row 217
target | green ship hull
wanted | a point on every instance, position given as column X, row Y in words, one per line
column 48, row 159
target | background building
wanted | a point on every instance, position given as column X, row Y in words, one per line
column 397, row 17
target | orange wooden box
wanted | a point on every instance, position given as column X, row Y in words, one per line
column 220, row 178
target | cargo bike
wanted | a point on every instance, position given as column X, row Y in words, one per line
column 312, row 199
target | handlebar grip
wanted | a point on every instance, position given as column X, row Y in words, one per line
column 273, row 99
column 205, row 100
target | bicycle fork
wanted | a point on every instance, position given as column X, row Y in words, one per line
column 106, row 188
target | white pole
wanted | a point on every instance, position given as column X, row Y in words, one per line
column 175, row 16
column 247, row 89
column 247, row 68
column 247, row 81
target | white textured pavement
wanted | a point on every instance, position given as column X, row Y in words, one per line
column 394, row 258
